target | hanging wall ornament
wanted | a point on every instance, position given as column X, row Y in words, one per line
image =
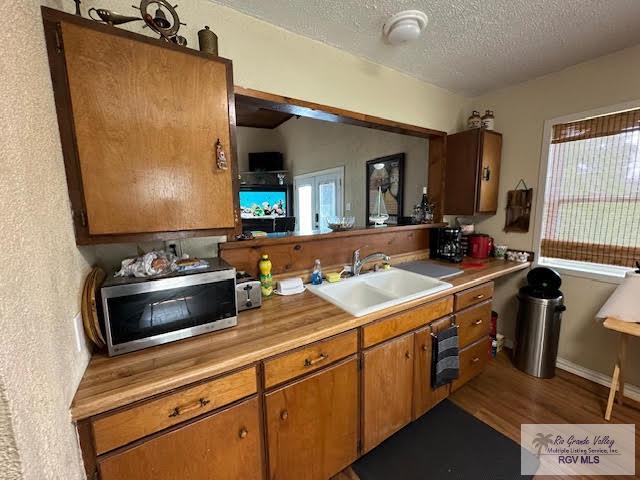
column 518, row 208
column 221, row 158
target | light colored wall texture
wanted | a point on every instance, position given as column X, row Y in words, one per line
column 313, row 145
column 520, row 112
column 42, row 271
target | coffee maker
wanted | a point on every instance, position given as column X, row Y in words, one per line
column 445, row 244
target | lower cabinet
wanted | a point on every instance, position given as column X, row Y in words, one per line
column 424, row 396
column 313, row 424
column 222, row 445
column 473, row 359
column 388, row 389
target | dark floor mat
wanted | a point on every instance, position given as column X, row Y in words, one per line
column 446, row 443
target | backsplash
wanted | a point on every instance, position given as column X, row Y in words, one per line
column 109, row 256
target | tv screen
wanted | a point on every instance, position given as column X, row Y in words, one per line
column 263, row 203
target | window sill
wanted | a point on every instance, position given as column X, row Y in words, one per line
column 593, row 271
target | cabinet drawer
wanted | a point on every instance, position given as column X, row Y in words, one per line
column 309, row 358
column 222, row 445
column 474, row 295
column 405, row 322
column 474, row 323
column 115, row 430
column 473, row 359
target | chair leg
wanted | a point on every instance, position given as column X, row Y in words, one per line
column 622, row 353
column 612, row 392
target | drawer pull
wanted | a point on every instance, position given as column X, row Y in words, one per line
column 478, row 322
column 309, row 363
column 284, row 415
column 479, row 297
column 243, row 433
column 203, row 402
column 424, row 348
column 475, row 360
column 407, row 354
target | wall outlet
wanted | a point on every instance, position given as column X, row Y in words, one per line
column 79, row 331
column 347, row 206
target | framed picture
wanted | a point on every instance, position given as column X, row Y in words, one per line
column 385, row 178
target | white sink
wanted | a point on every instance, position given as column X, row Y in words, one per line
column 371, row 292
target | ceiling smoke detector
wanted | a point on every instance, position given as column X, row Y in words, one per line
column 404, row 26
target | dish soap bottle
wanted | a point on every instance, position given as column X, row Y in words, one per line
column 316, row 275
column 266, row 281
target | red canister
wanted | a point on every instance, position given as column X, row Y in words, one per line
column 480, row 245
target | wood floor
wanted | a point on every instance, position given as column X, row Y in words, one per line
column 505, row 398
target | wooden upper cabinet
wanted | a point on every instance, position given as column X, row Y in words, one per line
column 472, row 172
column 222, row 445
column 139, row 121
column 388, row 389
column 313, row 424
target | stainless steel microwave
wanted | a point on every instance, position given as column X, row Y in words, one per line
column 143, row 312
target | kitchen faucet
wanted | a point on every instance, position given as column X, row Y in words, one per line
column 358, row 264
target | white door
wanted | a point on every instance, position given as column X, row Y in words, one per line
column 318, row 196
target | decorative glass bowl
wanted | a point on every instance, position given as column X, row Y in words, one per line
column 339, row 224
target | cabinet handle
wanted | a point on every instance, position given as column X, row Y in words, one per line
column 478, row 322
column 309, row 363
column 486, row 174
column 479, row 297
column 203, row 402
column 221, row 158
column 424, row 348
column 284, row 415
column 243, row 433
column 475, row 360
column 407, row 355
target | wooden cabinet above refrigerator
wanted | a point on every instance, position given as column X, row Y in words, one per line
column 139, row 121
column 472, row 172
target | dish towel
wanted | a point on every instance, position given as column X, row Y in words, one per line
column 445, row 363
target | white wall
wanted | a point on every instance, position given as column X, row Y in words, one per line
column 42, row 271
column 312, row 145
column 520, row 112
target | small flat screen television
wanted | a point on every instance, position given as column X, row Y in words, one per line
column 266, row 161
column 265, row 201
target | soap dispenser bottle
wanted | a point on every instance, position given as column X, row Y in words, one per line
column 316, row 275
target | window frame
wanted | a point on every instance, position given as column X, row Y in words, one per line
column 594, row 271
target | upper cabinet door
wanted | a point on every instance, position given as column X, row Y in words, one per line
column 472, row 172
column 489, row 172
column 146, row 119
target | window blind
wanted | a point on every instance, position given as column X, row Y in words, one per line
column 592, row 198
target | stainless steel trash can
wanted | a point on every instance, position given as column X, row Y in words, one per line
column 540, row 308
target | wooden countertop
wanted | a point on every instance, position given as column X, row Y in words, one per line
column 281, row 324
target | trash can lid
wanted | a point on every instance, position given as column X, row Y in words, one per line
column 544, row 278
column 530, row 291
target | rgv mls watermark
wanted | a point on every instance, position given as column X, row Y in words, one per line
column 577, row 449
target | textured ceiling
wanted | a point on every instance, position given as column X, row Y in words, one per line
column 470, row 46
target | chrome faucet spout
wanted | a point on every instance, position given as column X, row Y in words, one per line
column 359, row 263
